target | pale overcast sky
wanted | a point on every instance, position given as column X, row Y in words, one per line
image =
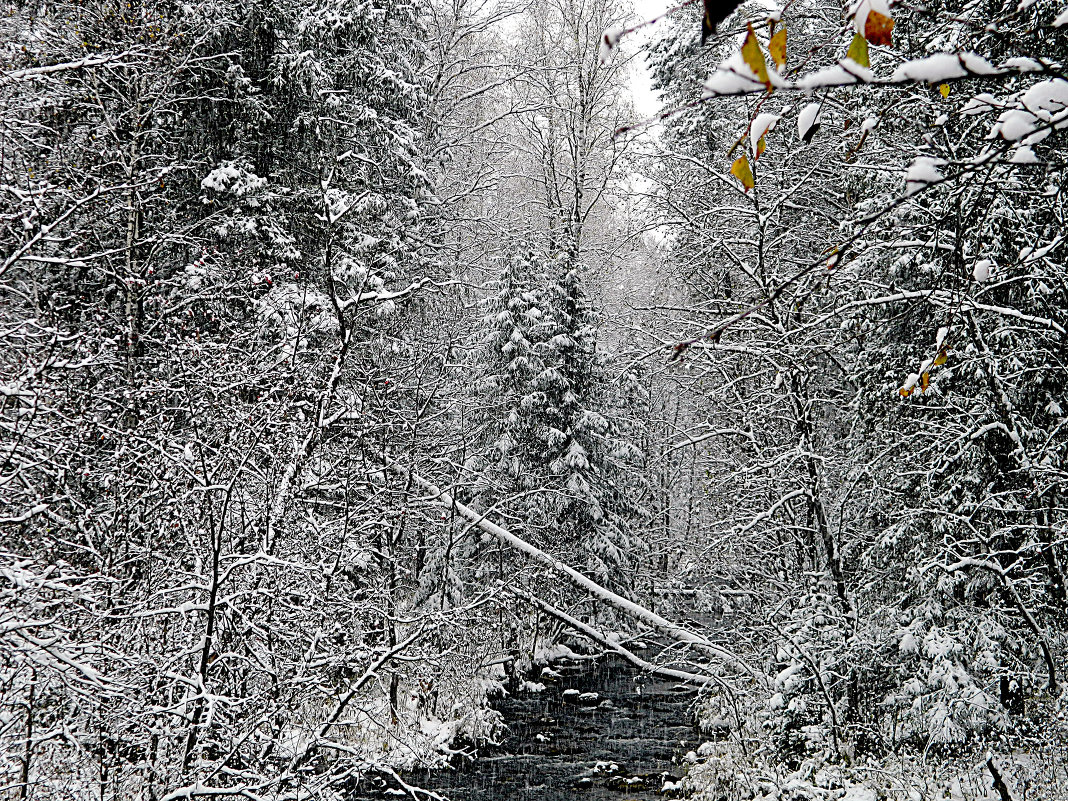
column 646, row 102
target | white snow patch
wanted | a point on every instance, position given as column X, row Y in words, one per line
column 933, row 69
column 231, row 177
column 786, row 679
column 809, row 118
column 981, row 104
column 922, row 172
column 1024, row 155
column 977, row 65
column 1014, row 125
column 1023, row 64
column 609, row 42
column 837, row 75
column 553, row 653
column 762, row 124
column 1049, row 96
column 732, row 77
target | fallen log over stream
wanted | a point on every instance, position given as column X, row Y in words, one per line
column 615, row 647
column 634, row 610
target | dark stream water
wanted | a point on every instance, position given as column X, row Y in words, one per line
column 622, row 744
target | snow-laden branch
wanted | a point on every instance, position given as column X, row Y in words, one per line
column 45, row 230
column 944, row 299
column 577, row 579
column 768, row 513
column 40, row 508
column 693, row 442
column 410, row 789
column 40, row 650
column 89, row 61
column 383, row 296
column 199, row 790
column 734, row 77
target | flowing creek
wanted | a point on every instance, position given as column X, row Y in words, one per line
column 565, row 742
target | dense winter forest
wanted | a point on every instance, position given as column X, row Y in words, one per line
column 358, row 358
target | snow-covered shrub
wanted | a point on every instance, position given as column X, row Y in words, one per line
column 948, row 677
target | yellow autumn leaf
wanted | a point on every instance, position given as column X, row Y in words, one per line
column 944, row 90
column 941, row 358
column 762, row 145
column 741, row 170
column 925, row 381
column 858, row 51
column 904, row 393
column 753, row 56
column 877, row 28
column 777, row 48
